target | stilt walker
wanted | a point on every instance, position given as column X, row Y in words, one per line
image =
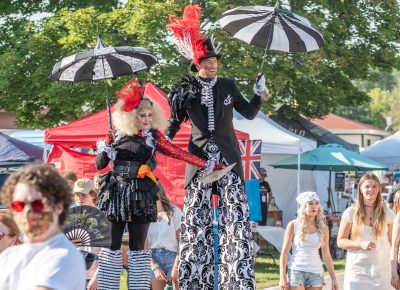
column 215, row 252
column 128, row 193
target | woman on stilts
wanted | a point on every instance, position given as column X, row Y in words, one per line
column 128, row 194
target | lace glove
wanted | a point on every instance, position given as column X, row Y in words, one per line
column 260, row 89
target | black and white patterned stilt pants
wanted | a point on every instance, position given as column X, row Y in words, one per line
column 196, row 270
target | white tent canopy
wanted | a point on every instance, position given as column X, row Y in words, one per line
column 279, row 143
column 385, row 151
column 275, row 138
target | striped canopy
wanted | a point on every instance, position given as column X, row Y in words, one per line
column 271, row 28
column 103, row 62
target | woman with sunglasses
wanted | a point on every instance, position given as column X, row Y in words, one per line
column 39, row 199
column 128, row 194
column 9, row 233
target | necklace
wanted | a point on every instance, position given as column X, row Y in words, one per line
column 371, row 217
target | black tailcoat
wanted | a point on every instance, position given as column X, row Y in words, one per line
column 226, row 98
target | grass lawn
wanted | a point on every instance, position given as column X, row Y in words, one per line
column 267, row 274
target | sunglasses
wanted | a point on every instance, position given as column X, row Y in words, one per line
column 36, row 205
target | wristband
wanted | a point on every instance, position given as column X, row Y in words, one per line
column 155, row 267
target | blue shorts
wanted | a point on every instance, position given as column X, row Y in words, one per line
column 307, row 279
column 165, row 259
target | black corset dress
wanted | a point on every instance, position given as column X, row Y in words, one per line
column 129, row 198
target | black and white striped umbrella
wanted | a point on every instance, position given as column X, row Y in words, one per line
column 271, row 28
column 103, row 62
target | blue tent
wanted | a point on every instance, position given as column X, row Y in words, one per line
column 14, row 152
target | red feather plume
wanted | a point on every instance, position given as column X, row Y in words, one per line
column 187, row 32
column 131, row 94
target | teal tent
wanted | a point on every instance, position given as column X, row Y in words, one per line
column 330, row 157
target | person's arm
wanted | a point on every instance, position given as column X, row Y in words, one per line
column 345, row 243
column 179, row 98
column 159, row 273
column 175, row 267
column 105, row 151
column 247, row 109
column 394, row 250
column 327, row 258
column 390, row 232
column 165, row 147
column 287, row 244
column 173, row 126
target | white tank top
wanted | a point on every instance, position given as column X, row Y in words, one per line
column 305, row 255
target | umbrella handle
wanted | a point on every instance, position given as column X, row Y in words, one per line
column 109, row 112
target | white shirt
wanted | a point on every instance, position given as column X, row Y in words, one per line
column 162, row 235
column 305, row 255
column 55, row 264
column 368, row 269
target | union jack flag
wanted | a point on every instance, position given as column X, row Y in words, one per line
column 251, row 158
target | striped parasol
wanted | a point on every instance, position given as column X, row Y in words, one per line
column 272, row 28
column 103, row 62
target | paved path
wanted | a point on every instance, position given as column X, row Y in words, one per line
column 339, row 278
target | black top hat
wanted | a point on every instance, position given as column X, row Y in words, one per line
column 212, row 52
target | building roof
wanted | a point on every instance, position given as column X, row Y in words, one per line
column 7, row 120
column 335, row 122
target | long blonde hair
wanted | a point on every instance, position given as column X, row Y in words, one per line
column 359, row 211
column 396, row 202
column 126, row 122
column 318, row 221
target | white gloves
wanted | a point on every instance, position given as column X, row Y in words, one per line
column 260, row 89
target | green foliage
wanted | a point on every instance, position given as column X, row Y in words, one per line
column 361, row 39
column 383, row 102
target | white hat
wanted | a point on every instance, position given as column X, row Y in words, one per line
column 306, row 196
column 83, row 185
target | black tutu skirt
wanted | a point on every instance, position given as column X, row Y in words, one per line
column 128, row 199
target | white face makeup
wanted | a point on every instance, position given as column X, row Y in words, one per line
column 144, row 119
column 37, row 226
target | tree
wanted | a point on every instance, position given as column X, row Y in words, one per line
column 383, row 102
column 361, row 39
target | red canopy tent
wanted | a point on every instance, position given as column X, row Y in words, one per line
column 85, row 132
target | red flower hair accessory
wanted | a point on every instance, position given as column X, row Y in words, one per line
column 131, row 94
column 188, row 39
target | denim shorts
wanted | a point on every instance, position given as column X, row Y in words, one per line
column 165, row 259
column 307, row 279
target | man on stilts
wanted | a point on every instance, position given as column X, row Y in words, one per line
column 208, row 102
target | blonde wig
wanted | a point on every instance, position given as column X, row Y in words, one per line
column 126, row 122
column 318, row 221
column 359, row 211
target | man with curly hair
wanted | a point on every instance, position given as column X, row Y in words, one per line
column 39, row 199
